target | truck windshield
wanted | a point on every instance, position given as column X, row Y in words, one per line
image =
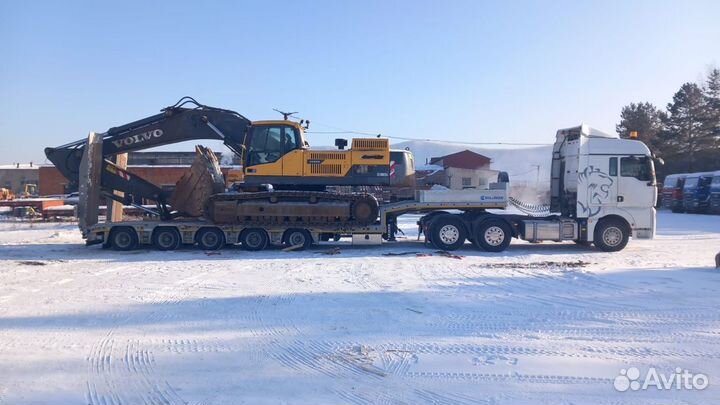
column 690, row 183
column 670, row 182
column 715, row 181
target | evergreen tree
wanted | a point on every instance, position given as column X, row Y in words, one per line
column 644, row 118
column 711, row 89
column 687, row 132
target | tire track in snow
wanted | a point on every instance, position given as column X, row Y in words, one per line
column 603, row 326
column 514, row 377
column 107, row 381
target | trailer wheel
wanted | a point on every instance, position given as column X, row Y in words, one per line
column 210, row 238
column 611, row 235
column 492, row 235
column 166, row 238
column 447, row 232
column 123, row 238
column 295, row 237
column 254, row 239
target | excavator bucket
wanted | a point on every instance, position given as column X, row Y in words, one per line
column 196, row 186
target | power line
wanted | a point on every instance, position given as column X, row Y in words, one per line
column 427, row 139
column 468, row 143
column 338, row 130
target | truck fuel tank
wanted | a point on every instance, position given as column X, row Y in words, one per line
column 558, row 230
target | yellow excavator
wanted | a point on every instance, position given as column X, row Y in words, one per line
column 284, row 180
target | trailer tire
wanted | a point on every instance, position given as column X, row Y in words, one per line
column 447, row 232
column 166, row 238
column 210, row 238
column 254, row 239
column 492, row 235
column 611, row 235
column 295, row 237
column 123, row 238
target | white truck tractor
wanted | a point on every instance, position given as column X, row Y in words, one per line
column 606, row 184
column 602, row 192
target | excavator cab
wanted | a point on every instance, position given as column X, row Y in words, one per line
column 268, row 142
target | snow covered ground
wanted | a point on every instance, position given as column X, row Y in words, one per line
column 539, row 323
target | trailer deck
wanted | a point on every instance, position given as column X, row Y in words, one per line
column 426, row 202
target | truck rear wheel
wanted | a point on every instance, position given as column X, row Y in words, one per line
column 447, row 232
column 611, row 235
column 254, row 239
column 165, row 238
column 210, row 238
column 492, row 235
column 123, row 238
column 298, row 237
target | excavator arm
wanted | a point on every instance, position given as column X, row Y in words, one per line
column 185, row 120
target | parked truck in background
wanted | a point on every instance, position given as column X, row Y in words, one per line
column 715, row 193
column 672, row 192
column 696, row 192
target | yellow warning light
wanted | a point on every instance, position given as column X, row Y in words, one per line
column 633, row 134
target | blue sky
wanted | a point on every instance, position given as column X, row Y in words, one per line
column 457, row 70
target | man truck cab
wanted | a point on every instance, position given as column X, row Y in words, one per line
column 606, row 183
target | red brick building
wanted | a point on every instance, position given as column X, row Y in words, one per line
column 457, row 171
column 466, row 159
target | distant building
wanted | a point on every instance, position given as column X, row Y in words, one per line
column 17, row 175
column 457, row 171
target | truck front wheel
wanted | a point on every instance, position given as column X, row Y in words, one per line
column 492, row 235
column 611, row 235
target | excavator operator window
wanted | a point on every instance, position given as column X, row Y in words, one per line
column 265, row 145
column 290, row 139
column 269, row 143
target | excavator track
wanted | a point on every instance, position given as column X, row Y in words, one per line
column 295, row 207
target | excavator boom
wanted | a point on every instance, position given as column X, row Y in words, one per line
column 174, row 124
